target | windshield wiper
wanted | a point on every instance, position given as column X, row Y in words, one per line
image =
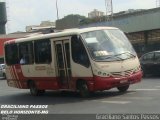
column 117, row 56
column 113, row 56
column 130, row 55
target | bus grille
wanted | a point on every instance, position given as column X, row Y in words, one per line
column 124, row 73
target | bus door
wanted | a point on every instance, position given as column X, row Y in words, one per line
column 62, row 49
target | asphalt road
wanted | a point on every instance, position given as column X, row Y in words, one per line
column 143, row 97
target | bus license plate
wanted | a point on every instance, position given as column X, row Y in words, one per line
column 123, row 81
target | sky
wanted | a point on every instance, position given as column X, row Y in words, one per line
column 22, row 13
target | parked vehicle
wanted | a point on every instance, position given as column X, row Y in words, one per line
column 150, row 63
column 2, row 71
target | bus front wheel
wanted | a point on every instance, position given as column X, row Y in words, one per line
column 123, row 88
column 34, row 90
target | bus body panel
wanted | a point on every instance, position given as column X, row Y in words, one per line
column 41, row 70
column 19, row 79
column 103, row 83
column 116, row 68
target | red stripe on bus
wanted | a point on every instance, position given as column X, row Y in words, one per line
column 10, row 68
column 14, row 76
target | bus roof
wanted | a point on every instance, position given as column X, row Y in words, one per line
column 66, row 32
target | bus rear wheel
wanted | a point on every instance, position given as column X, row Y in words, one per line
column 83, row 89
column 123, row 88
column 34, row 90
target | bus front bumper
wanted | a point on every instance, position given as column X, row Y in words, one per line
column 105, row 83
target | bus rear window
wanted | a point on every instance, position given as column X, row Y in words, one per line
column 11, row 54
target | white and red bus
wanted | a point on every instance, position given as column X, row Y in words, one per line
column 84, row 60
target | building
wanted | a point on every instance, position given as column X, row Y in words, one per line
column 95, row 13
column 45, row 26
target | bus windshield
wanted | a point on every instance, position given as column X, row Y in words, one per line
column 108, row 45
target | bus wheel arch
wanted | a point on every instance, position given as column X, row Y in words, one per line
column 123, row 88
column 33, row 88
column 82, row 87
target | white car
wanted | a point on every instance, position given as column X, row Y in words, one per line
column 2, row 71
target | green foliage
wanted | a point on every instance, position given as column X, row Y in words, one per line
column 84, row 20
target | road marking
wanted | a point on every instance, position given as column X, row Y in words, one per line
column 131, row 93
column 139, row 98
column 117, row 102
column 135, row 98
column 146, row 89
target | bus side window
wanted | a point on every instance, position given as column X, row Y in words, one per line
column 26, row 53
column 43, row 51
column 11, row 54
column 79, row 54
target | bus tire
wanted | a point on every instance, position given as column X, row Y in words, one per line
column 123, row 88
column 34, row 90
column 41, row 92
column 83, row 89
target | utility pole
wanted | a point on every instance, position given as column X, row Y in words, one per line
column 109, row 10
column 57, row 9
